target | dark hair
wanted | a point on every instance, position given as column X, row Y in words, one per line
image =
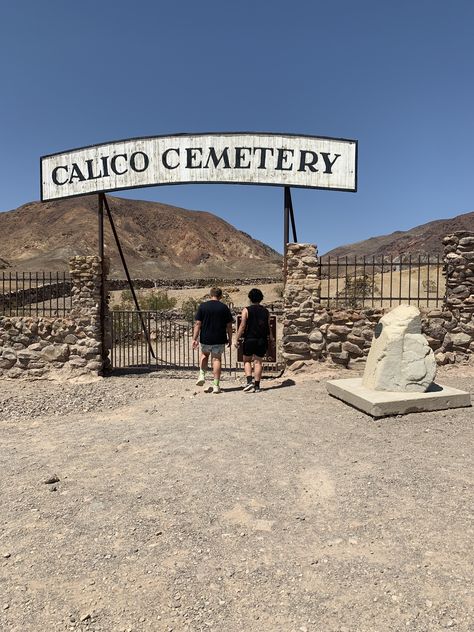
column 216, row 292
column 255, row 295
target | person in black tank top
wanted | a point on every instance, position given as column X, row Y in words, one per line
column 255, row 333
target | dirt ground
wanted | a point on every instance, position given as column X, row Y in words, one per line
column 238, row 294
column 180, row 510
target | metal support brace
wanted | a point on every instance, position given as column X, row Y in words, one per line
column 132, row 289
column 288, row 215
column 102, row 277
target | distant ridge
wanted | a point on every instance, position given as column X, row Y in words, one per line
column 159, row 240
column 424, row 240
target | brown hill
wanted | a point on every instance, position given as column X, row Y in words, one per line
column 425, row 239
column 158, row 240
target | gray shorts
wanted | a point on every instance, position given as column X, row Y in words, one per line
column 215, row 350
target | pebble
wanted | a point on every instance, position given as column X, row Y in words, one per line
column 38, row 399
column 54, row 478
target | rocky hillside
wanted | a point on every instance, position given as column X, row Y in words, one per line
column 421, row 240
column 158, row 240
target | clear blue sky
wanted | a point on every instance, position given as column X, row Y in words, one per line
column 397, row 76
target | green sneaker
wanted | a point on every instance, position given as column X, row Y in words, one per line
column 201, row 379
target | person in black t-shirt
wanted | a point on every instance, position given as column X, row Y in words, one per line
column 256, row 332
column 213, row 328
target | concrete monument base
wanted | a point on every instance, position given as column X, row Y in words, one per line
column 386, row 403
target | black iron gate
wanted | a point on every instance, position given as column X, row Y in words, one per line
column 167, row 343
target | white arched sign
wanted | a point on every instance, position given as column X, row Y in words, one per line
column 238, row 158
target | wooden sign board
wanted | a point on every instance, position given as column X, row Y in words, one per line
column 242, row 158
column 271, row 351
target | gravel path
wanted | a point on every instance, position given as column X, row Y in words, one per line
column 181, row 510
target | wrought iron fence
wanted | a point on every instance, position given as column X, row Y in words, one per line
column 168, row 340
column 382, row 281
column 35, row 293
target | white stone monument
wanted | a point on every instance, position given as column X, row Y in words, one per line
column 399, row 373
column 400, row 358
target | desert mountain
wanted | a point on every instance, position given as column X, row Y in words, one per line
column 158, row 240
column 421, row 240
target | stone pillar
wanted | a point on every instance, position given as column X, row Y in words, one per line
column 86, row 276
column 458, row 343
column 86, row 279
column 301, row 297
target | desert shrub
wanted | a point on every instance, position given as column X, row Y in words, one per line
column 429, row 286
column 279, row 290
column 189, row 307
column 156, row 300
column 126, row 326
column 126, row 299
column 356, row 291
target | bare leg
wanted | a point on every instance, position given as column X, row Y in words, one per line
column 258, row 367
column 203, row 361
column 216, row 366
column 248, row 366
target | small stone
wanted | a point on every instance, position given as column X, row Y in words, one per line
column 315, row 336
column 340, row 358
column 461, row 339
column 55, row 353
column 7, row 555
column 52, row 479
column 296, row 365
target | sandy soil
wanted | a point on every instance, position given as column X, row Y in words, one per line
column 280, row 511
column 238, row 294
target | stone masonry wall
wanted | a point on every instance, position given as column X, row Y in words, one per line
column 58, row 348
column 301, row 341
column 39, row 294
column 315, row 333
column 175, row 284
column 458, row 340
column 347, row 334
